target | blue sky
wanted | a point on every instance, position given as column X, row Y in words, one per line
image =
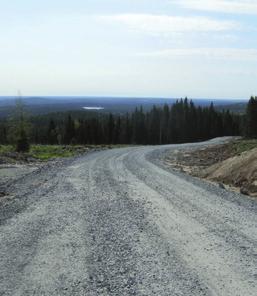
column 167, row 48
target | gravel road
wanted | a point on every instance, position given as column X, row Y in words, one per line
column 119, row 222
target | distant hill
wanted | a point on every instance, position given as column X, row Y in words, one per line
column 45, row 105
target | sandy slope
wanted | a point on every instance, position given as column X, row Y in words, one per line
column 239, row 171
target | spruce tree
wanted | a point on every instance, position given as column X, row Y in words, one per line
column 69, row 132
column 19, row 128
column 251, row 118
column 51, row 133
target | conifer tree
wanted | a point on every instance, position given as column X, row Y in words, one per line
column 69, row 132
column 52, row 133
column 251, row 118
column 19, row 128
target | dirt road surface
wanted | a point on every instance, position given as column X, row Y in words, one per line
column 118, row 222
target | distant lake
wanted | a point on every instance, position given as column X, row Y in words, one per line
column 93, row 108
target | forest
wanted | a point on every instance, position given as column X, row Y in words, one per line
column 180, row 122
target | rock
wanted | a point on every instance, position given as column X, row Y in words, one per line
column 221, row 185
column 251, row 188
column 244, row 191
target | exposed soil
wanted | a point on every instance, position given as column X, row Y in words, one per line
column 222, row 164
column 239, row 171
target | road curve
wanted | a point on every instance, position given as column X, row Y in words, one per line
column 117, row 222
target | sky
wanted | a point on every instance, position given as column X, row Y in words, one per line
column 150, row 48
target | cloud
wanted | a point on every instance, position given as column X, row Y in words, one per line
column 207, row 53
column 225, row 6
column 165, row 24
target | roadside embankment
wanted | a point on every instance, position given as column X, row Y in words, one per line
column 231, row 165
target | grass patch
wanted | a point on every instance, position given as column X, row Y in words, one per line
column 241, row 146
column 42, row 152
column 46, row 152
column 6, row 149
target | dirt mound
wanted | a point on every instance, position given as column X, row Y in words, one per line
column 233, row 164
column 239, row 171
column 196, row 160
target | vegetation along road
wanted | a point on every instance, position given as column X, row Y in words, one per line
column 117, row 222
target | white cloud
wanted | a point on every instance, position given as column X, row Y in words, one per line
column 207, row 53
column 226, row 6
column 165, row 24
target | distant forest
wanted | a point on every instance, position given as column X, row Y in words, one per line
column 178, row 123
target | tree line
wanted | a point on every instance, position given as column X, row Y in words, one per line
column 179, row 123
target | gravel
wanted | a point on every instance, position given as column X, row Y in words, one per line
column 118, row 222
